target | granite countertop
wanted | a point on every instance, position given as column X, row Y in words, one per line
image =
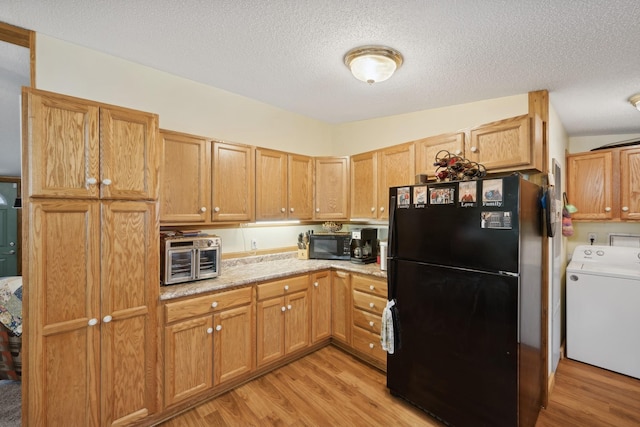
column 249, row 270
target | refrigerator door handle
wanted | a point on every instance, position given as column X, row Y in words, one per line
column 392, row 225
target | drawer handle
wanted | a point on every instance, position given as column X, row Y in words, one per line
column 371, row 345
column 371, row 324
column 214, row 304
column 218, row 327
column 286, row 287
column 372, row 287
column 371, row 305
column 209, row 330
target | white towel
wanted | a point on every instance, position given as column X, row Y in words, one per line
column 386, row 331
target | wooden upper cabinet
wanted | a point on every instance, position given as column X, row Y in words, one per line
column 81, row 149
column 427, row 149
column 233, row 197
column 589, row 185
column 630, row 183
column 502, row 145
column 396, row 166
column 364, row 186
column 300, row 186
column 186, row 178
column 331, row 188
column 271, row 184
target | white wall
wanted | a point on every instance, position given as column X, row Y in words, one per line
column 183, row 105
column 358, row 137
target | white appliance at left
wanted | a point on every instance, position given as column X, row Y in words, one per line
column 185, row 259
column 603, row 300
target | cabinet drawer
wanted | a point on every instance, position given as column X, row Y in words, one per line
column 370, row 285
column 283, row 287
column 369, row 321
column 369, row 302
column 207, row 304
column 369, row 343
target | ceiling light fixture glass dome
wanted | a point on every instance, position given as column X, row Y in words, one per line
column 635, row 100
column 373, row 64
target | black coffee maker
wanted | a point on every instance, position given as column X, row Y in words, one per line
column 364, row 245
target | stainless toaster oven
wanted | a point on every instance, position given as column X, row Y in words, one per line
column 185, row 259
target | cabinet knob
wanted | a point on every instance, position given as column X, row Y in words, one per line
column 106, row 181
column 218, row 327
column 203, row 209
column 214, row 304
column 216, row 209
column 286, row 287
column 317, row 209
column 283, row 308
column 371, row 287
column 371, row 345
column 107, row 319
column 291, row 210
column 373, row 209
column 381, row 208
column 371, row 305
column 92, row 181
column 209, row 330
column 289, row 307
column 458, row 152
column 283, row 210
column 625, row 209
column 607, row 209
column 93, row 322
column 371, row 324
column 474, row 149
column 315, row 284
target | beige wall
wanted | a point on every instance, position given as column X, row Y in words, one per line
column 358, row 137
column 183, row 105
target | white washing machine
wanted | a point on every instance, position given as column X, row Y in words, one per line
column 603, row 308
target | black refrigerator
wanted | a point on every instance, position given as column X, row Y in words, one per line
column 465, row 271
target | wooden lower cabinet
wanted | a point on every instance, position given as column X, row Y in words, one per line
column 215, row 346
column 341, row 306
column 91, row 287
column 282, row 318
column 320, row 306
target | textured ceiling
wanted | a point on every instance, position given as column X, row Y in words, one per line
column 288, row 53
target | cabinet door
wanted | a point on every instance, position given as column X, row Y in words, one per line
column 130, row 153
column 630, row 183
column 501, row 145
column 129, row 293
column 233, row 182
column 185, row 186
column 188, row 359
column 297, row 322
column 331, row 188
column 427, row 150
column 62, row 288
column 270, row 334
column 233, row 343
column 589, row 185
column 300, row 186
column 271, row 184
column 320, row 306
column 62, row 146
column 364, row 186
column 341, row 306
column 397, row 166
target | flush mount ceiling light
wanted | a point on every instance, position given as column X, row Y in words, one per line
column 635, row 100
column 373, row 64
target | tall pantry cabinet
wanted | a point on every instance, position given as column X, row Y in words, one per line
column 91, row 276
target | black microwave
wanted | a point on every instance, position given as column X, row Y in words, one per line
column 330, row 246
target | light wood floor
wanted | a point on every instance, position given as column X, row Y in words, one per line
column 331, row 388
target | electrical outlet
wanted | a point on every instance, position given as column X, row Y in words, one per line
column 593, row 237
column 254, row 244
